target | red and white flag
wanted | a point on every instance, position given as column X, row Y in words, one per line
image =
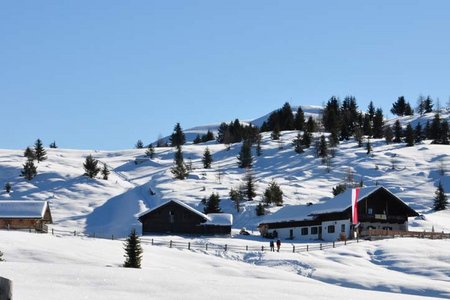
column 355, row 193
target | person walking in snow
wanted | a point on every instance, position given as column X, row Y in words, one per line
column 278, row 245
column 272, row 246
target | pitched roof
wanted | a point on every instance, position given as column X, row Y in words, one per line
column 24, row 209
column 177, row 202
column 337, row 204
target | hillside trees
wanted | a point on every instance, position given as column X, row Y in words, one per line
column 39, row 152
column 179, row 169
column 207, row 159
column 377, row 124
column 105, row 172
column 245, row 158
column 297, row 143
column 139, row 144
column 440, row 200
column 249, row 186
column 322, row 150
column 409, row 136
column 273, row 194
column 29, row 154
column 8, row 187
column 177, row 138
column 133, row 251
column 150, row 152
column 212, row 204
column 237, row 196
column 91, row 167
column 398, row 132
column 235, row 132
column 401, row 107
column 29, row 170
column 299, row 121
column 53, row 145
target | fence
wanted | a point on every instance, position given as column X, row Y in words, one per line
column 415, row 234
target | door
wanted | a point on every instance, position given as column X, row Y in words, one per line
column 320, row 232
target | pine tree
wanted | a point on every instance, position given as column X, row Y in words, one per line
column 29, row 170
column 331, row 117
column 29, row 154
column 440, row 200
column 388, row 134
column 275, row 135
column 359, row 136
column 323, row 148
column 444, row 133
column 299, row 121
column 197, row 139
column 245, row 159
column 91, row 167
column 377, row 124
column 105, row 172
column 273, row 194
column 398, row 132
column 297, row 143
column 409, row 136
column 237, row 197
column 398, row 107
column 179, row 169
column 8, row 187
column 207, row 159
column 371, row 110
column 408, row 110
column 427, row 130
column 258, row 145
column 249, row 189
column 367, row 126
column 311, row 125
column 428, row 105
column 339, row 189
column 133, row 251
column 418, row 133
column 435, row 129
column 150, row 152
column 212, row 204
column 177, row 138
column 209, row 136
column 368, row 147
column 260, row 211
column 139, row 145
column 53, row 145
column 420, row 108
column 39, row 151
column 306, row 139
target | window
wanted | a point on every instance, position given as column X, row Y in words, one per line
column 171, row 217
column 342, row 227
column 313, row 230
column 304, row 231
column 369, row 211
column 331, row 229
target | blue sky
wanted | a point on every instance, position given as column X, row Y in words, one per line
column 102, row 74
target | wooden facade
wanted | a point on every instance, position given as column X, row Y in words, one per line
column 177, row 217
column 18, row 216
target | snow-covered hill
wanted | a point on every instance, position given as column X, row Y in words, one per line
column 109, row 207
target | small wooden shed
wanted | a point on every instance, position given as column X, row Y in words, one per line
column 25, row 214
column 174, row 216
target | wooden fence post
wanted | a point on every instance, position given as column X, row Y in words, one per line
column 307, row 248
column 170, row 244
column 152, row 242
column 189, row 245
column 345, row 242
column 320, row 246
column 293, row 248
column 74, row 233
column 334, row 246
column 262, row 248
column 226, row 247
column 53, row 232
column 112, row 236
column 246, row 248
column 206, row 246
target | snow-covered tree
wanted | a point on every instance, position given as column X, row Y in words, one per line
column 133, row 251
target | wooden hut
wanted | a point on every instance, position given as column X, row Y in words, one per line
column 18, row 214
column 174, row 216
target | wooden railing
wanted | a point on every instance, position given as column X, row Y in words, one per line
column 399, row 233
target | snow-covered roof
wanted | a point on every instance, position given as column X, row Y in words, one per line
column 220, row 219
column 177, row 202
column 24, row 209
column 337, row 204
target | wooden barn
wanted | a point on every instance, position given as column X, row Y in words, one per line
column 174, row 216
column 18, row 214
column 330, row 220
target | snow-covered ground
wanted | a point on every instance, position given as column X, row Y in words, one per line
column 86, row 268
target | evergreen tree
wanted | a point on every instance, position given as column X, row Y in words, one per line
column 428, row 105
column 1, row 256
column 440, row 200
column 377, row 124
column 249, row 186
column 150, row 152
column 388, row 134
column 298, row 146
column 398, row 132
column 260, row 211
column 331, row 116
column 275, row 135
column 258, row 145
column 207, row 159
column 139, row 144
column 323, row 148
column 39, row 151
column 408, row 110
column 177, row 138
column 359, row 136
column 8, row 187
column 286, row 117
column 179, row 169
column 311, row 125
column 306, row 139
column 105, row 172
column 418, row 133
column 29, row 170
column 427, row 130
column 420, row 109
column 53, row 145
column 444, row 133
column 334, row 138
column 29, row 154
column 409, row 136
column 368, row 147
column 435, row 129
column 367, row 125
column 223, row 128
column 245, row 159
column 133, row 251
column 197, row 139
column 339, row 189
column 91, row 167
column 371, row 110
column 209, row 136
column 299, row 121
column 212, row 204
column 273, row 194
column 398, row 107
